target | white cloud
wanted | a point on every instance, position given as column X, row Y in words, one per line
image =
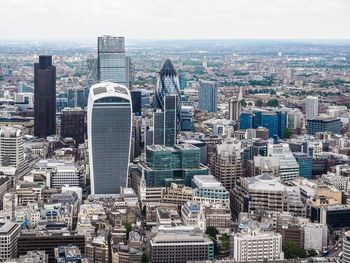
column 76, row 19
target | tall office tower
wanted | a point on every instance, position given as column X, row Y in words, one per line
column 73, row 124
column 311, row 107
column 44, row 97
column 136, row 136
column 92, row 71
column 109, row 133
column 136, row 102
column 207, row 96
column 346, row 247
column 170, row 125
column 11, row 148
column 182, row 81
column 158, row 127
column 9, row 233
column 77, row 97
column 130, row 72
column 164, row 122
column 290, row 74
column 111, row 61
column 227, row 165
column 168, row 84
column 234, row 109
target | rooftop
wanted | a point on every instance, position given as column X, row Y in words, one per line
column 264, row 182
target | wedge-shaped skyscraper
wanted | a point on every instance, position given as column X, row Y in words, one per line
column 109, row 134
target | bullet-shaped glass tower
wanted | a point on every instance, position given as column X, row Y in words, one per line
column 168, row 84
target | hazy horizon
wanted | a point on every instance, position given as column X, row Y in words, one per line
column 173, row 20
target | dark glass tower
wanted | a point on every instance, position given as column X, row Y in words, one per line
column 170, row 125
column 136, row 102
column 164, row 122
column 44, row 97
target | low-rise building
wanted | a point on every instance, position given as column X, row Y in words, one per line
column 180, row 244
column 254, row 245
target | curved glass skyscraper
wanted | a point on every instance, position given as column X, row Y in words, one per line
column 168, row 84
column 109, row 133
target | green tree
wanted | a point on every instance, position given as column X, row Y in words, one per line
column 212, row 232
column 292, row 250
column 128, row 228
column 311, row 253
column 259, row 102
column 225, row 241
column 144, row 258
column 243, row 103
column 287, row 133
column 272, row 103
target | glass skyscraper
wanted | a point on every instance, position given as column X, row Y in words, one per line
column 170, row 124
column 112, row 64
column 168, row 84
column 274, row 120
column 207, row 96
column 109, row 133
column 165, row 165
column 305, row 164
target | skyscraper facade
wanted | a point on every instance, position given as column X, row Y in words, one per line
column 207, row 96
column 346, row 247
column 73, row 124
column 11, row 147
column 109, row 133
column 158, row 127
column 136, row 102
column 170, row 124
column 112, row 64
column 234, row 109
column 275, row 121
column 323, row 124
column 311, row 107
column 187, row 113
column 168, row 84
column 164, row 122
column 44, row 97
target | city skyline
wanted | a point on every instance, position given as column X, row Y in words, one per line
column 194, row 19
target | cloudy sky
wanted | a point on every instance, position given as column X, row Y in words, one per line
column 174, row 19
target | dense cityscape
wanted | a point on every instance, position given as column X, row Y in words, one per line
column 121, row 151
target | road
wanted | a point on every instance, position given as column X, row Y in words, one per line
column 334, row 250
column 28, row 169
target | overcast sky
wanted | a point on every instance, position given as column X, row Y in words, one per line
column 174, row 19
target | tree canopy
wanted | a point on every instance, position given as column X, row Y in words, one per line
column 212, row 232
column 272, row 103
column 292, row 250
